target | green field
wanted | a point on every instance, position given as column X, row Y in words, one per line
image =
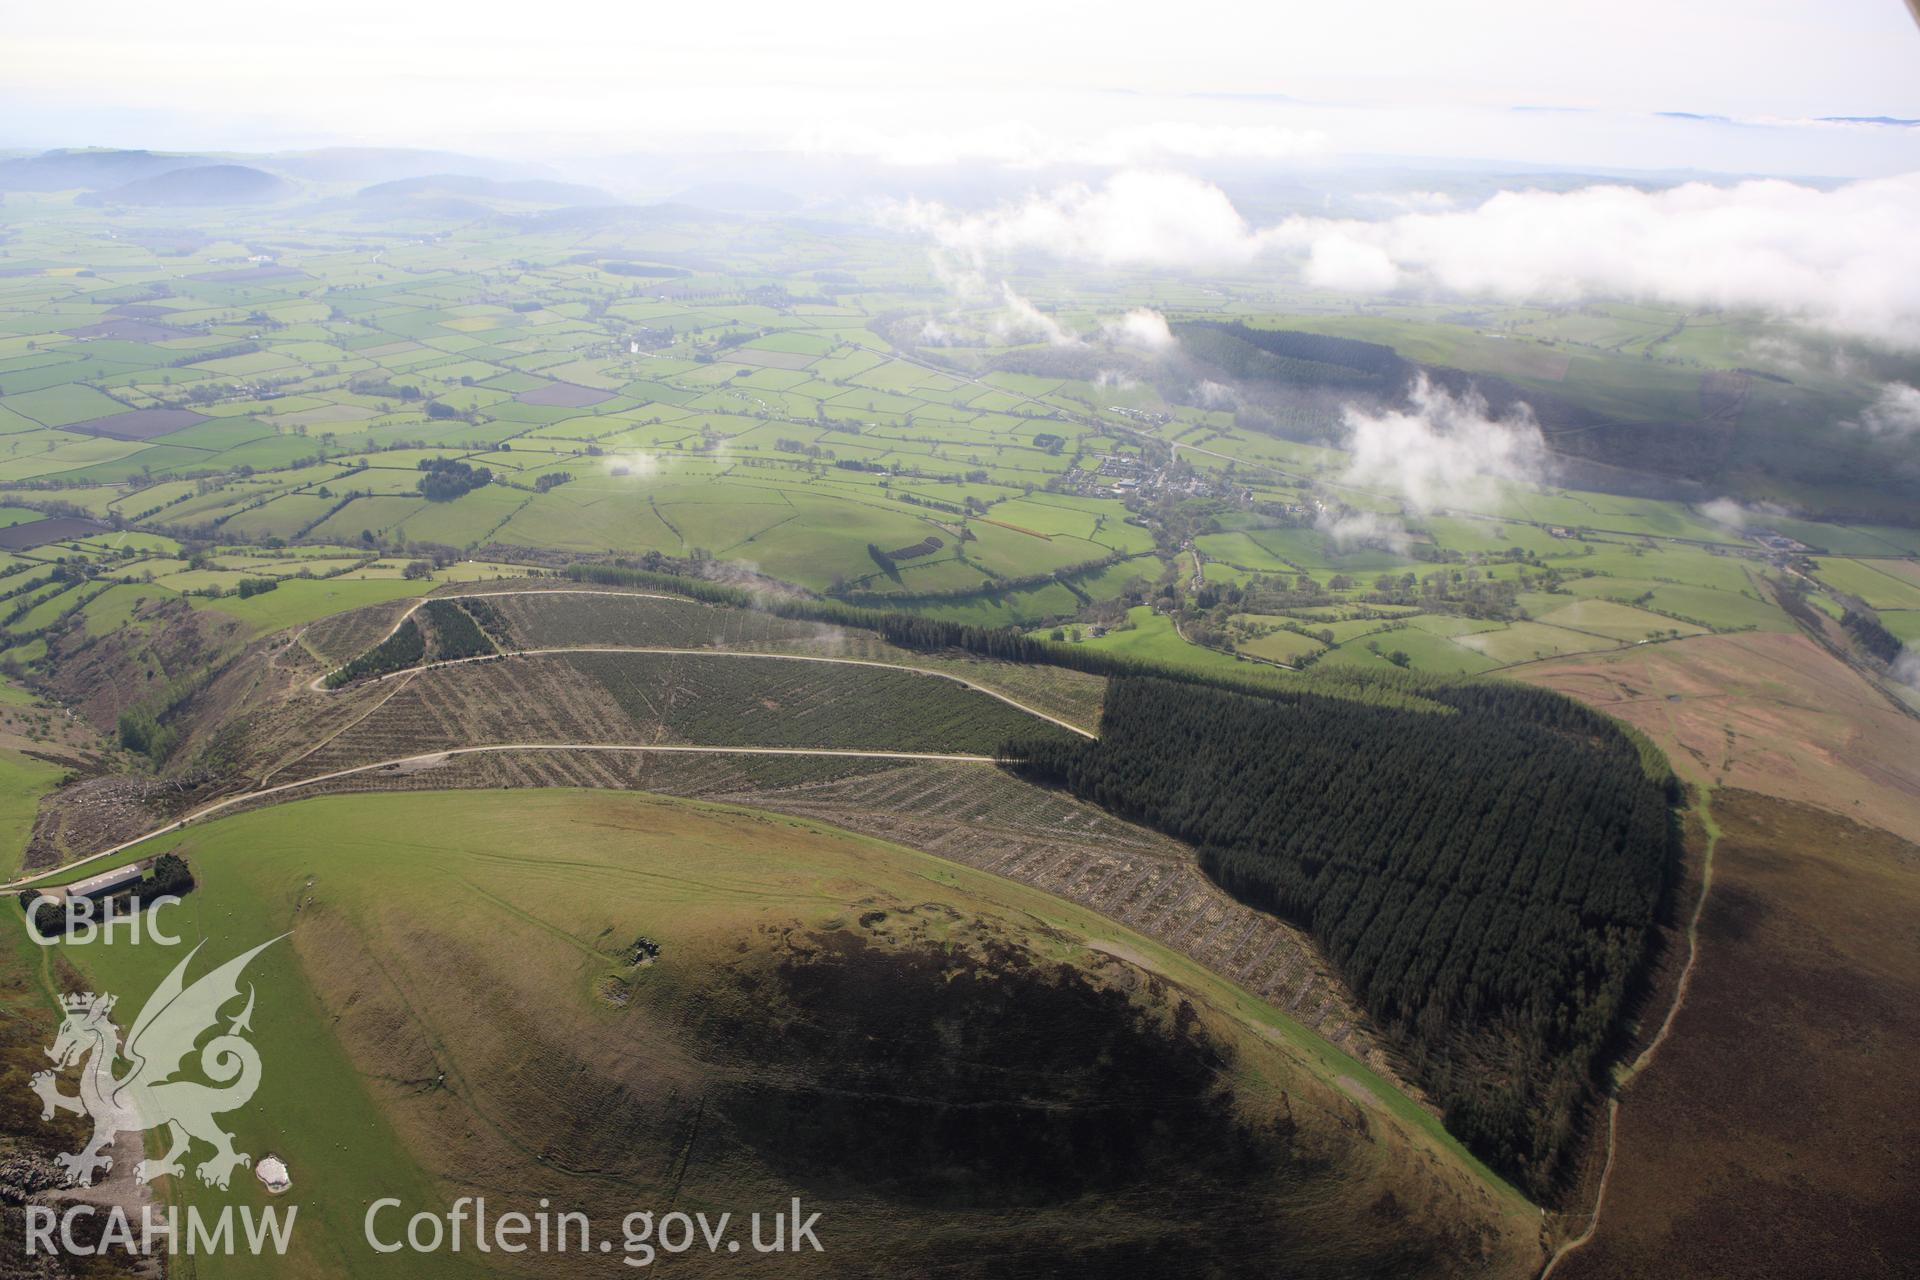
column 1904, row 624
column 1880, row 583
column 301, row 600
column 1424, row 651
column 1279, row 646
column 23, row 781
column 1152, row 637
column 1526, row 641
column 1614, row 621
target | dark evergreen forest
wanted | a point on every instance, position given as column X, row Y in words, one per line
column 1485, row 876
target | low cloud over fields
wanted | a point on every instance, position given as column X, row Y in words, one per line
column 1442, row 448
column 1844, row 259
column 1896, row 413
column 1136, row 217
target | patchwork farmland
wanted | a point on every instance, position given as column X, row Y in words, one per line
column 308, row 519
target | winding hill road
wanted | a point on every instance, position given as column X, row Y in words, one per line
column 435, row 757
column 318, row 683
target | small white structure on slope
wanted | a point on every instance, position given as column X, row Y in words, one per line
column 272, row 1172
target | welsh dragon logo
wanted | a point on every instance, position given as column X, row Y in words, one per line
column 145, row 1093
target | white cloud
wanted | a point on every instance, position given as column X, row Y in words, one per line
column 632, row 464
column 1021, row 321
column 1896, row 413
column 1364, row 528
column 1738, row 516
column 1339, row 261
column 1139, row 216
column 1725, row 511
column 1141, row 327
column 1844, row 259
column 1442, row 449
column 962, row 282
column 1216, row 395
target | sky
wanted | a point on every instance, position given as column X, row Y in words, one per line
column 1747, row 87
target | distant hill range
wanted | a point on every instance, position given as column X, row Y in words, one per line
column 1682, row 434
column 107, row 169
column 1279, row 367
column 392, row 164
column 207, row 184
column 459, row 195
column 91, row 170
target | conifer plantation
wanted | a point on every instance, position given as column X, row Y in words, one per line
column 1485, row 876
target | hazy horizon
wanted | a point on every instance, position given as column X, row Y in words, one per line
column 1642, row 87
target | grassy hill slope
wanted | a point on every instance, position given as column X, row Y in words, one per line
column 958, row 1072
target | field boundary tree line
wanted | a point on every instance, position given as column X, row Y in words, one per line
column 1064, row 576
column 912, row 631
